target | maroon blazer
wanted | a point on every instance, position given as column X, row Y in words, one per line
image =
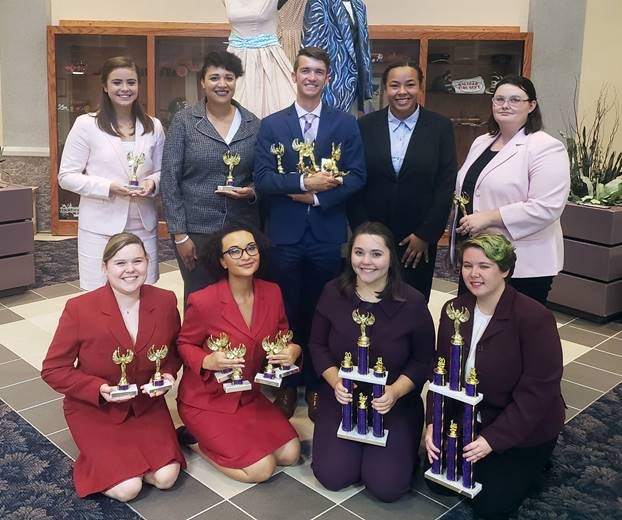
column 211, row 311
column 90, row 329
column 519, row 367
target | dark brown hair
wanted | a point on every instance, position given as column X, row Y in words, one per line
column 347, row 280
column 212, row 252
column 534, row 118
column 118, row 242
column 224, row 59
column 315, row 53
column 402, row 63
column 106, row 115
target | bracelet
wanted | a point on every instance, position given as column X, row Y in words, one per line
column 179, row 242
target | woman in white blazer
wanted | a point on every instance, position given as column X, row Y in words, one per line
column 100, row 154
column 517, row 180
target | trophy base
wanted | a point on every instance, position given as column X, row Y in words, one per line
column 150, row 387
column 221, row 377
column 131, row 390
column 364, row 378
column 368, row 438
column 454, row 394
column 133, row 187
column 232, row 387
column 280, row 372
column 454, row 485
column 269, row 381
column 225, row 188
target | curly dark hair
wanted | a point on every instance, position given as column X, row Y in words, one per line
column 211, row 254
column 224, row 59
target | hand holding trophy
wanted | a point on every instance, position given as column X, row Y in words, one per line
column 238, row 383
column 273, row 376
column 134, row 163
column 220, row 344
column 231, row 160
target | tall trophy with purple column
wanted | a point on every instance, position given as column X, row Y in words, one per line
column 447, row 470
column 237, row 383
column 347, row 421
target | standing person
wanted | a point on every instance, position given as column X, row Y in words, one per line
column 123, row 441
column 411, row 173
column 517, row 178
column 241, row 433
column 307, row 213
column 513, row 344
column 403, row 335
column 193, row 167
column 100, row 155
column 266, row 86
column 340, row 27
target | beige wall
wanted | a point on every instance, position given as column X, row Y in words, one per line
column 410, row 12
column 601, row 56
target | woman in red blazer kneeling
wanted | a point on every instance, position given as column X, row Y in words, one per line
column 123, row 441
column 512, row 342
column 241, row 433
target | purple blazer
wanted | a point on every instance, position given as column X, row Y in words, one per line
column 519, row 367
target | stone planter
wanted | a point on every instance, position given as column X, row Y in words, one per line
column 590, row 284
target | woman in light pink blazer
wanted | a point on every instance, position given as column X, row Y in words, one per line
column 97, row 164
column 517, row 178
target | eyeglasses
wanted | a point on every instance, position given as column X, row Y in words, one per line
column 236, row 252
column 513, row 101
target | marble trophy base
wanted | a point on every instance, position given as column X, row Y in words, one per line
column 364, row 378
column 131, row 390
column 454, row 485
column 221, row 377
column 225, row 188
column 269, row 381
column 368, row 438
column 241, row 387
column 151, row 387
column 454, row 394
column 280, row 372
column 133, row 187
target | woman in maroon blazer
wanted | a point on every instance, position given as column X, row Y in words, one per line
column 242, row 433
column 403, row 335
column 513, row 343
column 123, row 441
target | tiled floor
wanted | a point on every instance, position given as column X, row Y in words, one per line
column 593, row 365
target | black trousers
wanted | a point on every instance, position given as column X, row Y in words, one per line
column 536, row 288
column 199, row 277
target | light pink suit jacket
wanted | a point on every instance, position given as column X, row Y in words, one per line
column 93, row 159
column 528, row 181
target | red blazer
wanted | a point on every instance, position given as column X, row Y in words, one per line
column 211, row 311
column 90, row 329
column 519, row 367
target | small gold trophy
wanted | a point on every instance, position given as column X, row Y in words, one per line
column 305, row 151
column 461, row 201
column 123, row 388
column 157, row 382
column 278, row 150
column 237, row 383
column 330, row 165
column 231, row 160
column 285, row 338
column 220, row 344
column 269, row 376
column 458, row 316
column 134, row 163
column 346, row 364
column 363, row 320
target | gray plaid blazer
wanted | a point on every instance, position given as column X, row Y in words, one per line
column 192, row 168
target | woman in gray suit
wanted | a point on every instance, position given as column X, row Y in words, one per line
column 193, row 167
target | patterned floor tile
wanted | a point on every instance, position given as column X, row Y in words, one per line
column 612, row 345
column 205, row 473
column 65, row 442
column 8, row 316
column 7, row 355
column 21, row 299
column 26, row 340
column 59, row 289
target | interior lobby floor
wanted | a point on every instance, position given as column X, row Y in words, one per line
column 592, row 367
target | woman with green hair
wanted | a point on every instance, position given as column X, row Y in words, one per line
column 512, row 343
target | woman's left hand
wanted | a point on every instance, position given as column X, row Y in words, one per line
column 287, row 356
column 238, row 193
column 384, row 403
column 476, row 450
column 148, row 187
column 158, row 393
column 479, row 221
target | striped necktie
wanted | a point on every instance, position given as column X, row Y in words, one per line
column 307, row 133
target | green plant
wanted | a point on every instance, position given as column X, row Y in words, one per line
column 595, row 167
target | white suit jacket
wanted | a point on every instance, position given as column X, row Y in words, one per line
column 528, row 181
column 93, row 159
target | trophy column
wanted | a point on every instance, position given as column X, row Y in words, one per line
column 438, row 411
column 347, row 424
column 468, row 428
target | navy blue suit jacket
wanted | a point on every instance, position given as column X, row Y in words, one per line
column 287, row 220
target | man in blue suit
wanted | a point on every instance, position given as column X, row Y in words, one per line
column 306, row 214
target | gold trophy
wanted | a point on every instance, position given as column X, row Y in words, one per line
column 458, row 316
column 278, row 150
column 285, row 338
column 363, row 320
column 123, row 388
column 220, row 344
column 269, row 376
column 237, row 383
column 231, row 160
column 461, row 201
column 157, row 382
column 305, row 151
column 134, row 163
column 330, row 165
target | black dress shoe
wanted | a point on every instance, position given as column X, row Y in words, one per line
column 286, row 401
column 184, row 437
column 312, row 401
